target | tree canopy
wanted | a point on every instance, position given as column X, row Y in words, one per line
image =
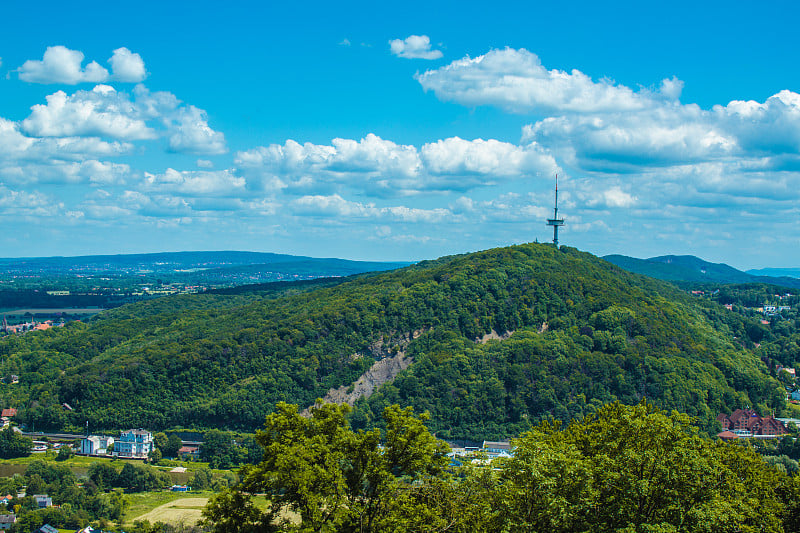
column 622, row 469
column 334, row 478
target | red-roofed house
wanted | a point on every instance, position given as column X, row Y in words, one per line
column 748, row 423
column 189, row 450
column 9, row 413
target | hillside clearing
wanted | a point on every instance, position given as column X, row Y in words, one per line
column 185, row 511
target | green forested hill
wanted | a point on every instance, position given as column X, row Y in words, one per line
column 688, row 268
column 585, row 332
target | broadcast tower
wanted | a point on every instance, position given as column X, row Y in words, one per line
column 555, row 221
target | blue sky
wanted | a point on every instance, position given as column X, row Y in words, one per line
column 400, row 132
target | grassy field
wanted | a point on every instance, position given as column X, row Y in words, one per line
column 185, row 511
column 168, row 507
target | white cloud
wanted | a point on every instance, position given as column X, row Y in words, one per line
column 414, row 47
column 624, row 141
column 219, row 183
column 486, row 159
column 104, row 173
column 516, row 80
column 26, row 159
column 331, row 206
column 90, row 172
column 412, row 214
column 382, row 168
column 105, row 112
column 758, row 134
column 62, row 65
column 205, row 163
column 616, row 197
column 127, row 66
column 336, row 206
column 101, row 111
column 190, row 133
column 16, row 203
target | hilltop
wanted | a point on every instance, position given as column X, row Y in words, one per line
column 578, row 332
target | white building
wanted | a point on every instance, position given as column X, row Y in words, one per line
column 96, row 445
column 134, row 444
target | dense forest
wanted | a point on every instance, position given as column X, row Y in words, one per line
column 579, row 332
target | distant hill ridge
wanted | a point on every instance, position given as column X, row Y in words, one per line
column 211, row 259
column 693, row 269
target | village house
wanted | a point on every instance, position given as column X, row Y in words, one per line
column 494, row 449
column 134, row 444
column 43, row 500
column 95, row 445
column 189, row 451
column 748, row 423
column 7, row 520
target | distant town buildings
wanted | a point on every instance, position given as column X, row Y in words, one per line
column 31, row 325
column 749, row 424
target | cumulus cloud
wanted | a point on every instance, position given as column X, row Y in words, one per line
column 625, row 141
column 101, row 111
column 765, row 133
column 383, row 168
column 23, row 203
column 414, row 47
column 616, row 197
column 337, row 206
column 105, row 112
column 127, row 66
column 62, row 65
column 103, row 172
column 91, row 172
column 190, row 133
column 516, row 80
column 219, row 183
column 487, row 158
column 25, row 159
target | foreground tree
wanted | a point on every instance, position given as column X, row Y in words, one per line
column 637, row 469
column 335, row 479
column 624, row 469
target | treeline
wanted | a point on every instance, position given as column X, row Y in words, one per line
column 586, row 333
column 74, row 505
column 630, row 469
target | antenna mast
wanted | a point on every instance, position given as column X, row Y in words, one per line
column 555, row 221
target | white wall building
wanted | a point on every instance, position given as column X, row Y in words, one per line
column 134, row 443
column 96, row 445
